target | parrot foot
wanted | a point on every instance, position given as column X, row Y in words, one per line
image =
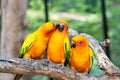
column 60, row 66
column 85, row 73
column 75, row 71
column 29, row 60
column 46, row 62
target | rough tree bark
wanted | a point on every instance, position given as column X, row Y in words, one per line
column 46, row 67
column 13, row 17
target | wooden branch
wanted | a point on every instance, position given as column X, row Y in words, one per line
column 105, row 43
column 37, row 67
column 45, row 67
column 72, row 32
column 58, row 71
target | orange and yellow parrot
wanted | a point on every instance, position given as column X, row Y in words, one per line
column 82, row 57
column 59, row 46
column 35, row 43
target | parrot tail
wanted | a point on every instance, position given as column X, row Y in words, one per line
column 51, row 78
column 66, row 62
column 97, row 72
column 18, row 76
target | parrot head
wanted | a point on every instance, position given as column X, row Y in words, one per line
column 62, row 26
column 79, row 42
column 48, row 28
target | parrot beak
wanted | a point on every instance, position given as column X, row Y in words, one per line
column 56, row 26
column 61, row 27
column 73, row 45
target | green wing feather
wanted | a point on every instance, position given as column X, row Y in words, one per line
column 27, row 44
column 67, row 50
column 25, row 47
column 95, row 69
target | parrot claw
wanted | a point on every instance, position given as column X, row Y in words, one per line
column 46, row 62
column 29, row 59
column 85, row 73
column 60, row 66
column 75, row 71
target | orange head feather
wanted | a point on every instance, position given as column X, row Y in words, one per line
column 47, row 28
column 79, row 42
column 63, row 22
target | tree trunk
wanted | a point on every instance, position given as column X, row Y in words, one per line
column 13, row 16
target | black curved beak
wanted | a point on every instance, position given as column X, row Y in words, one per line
column 56, row 26
column 61, row 27
column 73, row 45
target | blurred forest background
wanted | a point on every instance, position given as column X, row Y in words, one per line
column 83, row 16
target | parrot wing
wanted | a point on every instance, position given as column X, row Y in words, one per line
column 67, row 50
column 95, row 69
column 27, row 44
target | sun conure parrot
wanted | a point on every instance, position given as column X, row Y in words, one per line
column 59, row 45
column 35, row 43
column 83, row 58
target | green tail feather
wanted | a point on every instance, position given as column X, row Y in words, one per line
column 66, row 64
column 18, row 76
column 51, row 79
column 67, row 55
column 95, row 69
column 67, row 58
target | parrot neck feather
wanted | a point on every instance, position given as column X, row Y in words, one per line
column 82, row 49
column 39, row 33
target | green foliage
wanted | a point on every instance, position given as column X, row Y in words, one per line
column 113, row 14
column 72, row 6
column 40, row 78
column 92, row 28
column 35, row 18
column 36, row 4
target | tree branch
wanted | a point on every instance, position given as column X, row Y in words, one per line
column 37, row 67
column 58, row 71
column 44, row 67
column 105, row 43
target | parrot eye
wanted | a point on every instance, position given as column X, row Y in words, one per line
column 51, row 31
column 62, row 24
column 80, row 43
column 61, row 27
